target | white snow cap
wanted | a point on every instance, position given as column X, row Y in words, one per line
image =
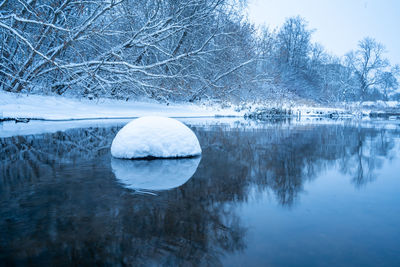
column 155, row 175
column 157, row 137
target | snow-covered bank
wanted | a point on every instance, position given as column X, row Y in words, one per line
column 41, row 107
column 63, row 108
column 265, row 112
column 357, row 110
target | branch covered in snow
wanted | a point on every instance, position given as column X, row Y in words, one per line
column 160, row 49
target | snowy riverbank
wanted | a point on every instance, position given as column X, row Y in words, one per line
column 58, row 108
column 14, row 106
column 56, row 113
column 378, row 109
column 33, row 127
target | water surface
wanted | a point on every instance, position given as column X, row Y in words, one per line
column 262, row 194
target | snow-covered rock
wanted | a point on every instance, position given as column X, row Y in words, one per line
column 157, row 137
column 155, row 175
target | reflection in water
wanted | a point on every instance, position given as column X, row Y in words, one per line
column 155, row 175
column 61, row 205
column 282, row 158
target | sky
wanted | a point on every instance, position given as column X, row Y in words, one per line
column 339, row 24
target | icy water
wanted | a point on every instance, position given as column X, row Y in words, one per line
column 262, row 194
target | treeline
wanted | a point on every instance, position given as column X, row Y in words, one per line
column 305, row 68
column 177, row 50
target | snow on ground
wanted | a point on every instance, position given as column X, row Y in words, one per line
column 297, row 110
column 381, row 104
column 158, row 137
column 154, row 174
column 342, row 110
column 63, row 108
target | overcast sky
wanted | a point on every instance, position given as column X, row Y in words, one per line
column 339, row 24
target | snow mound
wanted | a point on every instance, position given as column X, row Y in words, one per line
column 155, row 137
column 154, row 175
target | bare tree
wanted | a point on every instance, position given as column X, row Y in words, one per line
column 388, row 83
column 294, row 43
column 367, row 63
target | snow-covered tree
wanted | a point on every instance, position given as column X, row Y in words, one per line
column 368, row 62
column 294, row 43
column 388, row 83
column 158, row 49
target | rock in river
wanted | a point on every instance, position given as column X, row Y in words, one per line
column 155, row 137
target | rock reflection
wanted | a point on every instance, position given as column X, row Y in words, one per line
column 154, row 175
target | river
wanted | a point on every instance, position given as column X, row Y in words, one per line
column 273, row 193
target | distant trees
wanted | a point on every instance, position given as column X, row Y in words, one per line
column 388, row 83
column 293, row 43
column 292, row 61
column 368, row 63
column 298, row 66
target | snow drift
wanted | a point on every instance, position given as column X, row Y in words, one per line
column 154, row 175
column 155, row 137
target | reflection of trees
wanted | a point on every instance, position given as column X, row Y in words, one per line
column 282, row 158
column 70, row 210
column 32, row 156
column 59, row 203
column 364, row 154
